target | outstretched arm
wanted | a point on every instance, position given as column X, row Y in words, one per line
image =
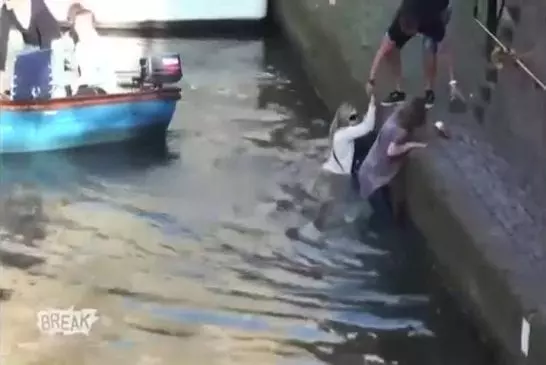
column 396, row 149
column 387, row 45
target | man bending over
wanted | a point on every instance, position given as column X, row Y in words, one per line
column 427, row 17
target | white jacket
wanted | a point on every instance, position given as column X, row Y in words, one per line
column 92, row 58
column 343, row 143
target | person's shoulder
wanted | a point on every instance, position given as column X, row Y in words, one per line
column 391, row 125
column 392, row 120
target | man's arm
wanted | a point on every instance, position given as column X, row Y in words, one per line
column 387, row 45
column 445, row 54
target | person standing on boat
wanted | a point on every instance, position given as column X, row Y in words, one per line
column 39, row 29
column 95, row 74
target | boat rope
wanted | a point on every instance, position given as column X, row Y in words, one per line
column 509, row 51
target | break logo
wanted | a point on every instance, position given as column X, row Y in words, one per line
column 66, row 321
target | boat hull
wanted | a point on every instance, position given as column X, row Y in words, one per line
column 85, row 122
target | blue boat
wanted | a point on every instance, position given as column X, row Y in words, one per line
column 41, row 123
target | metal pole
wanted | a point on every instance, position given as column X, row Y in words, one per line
column 518, row 61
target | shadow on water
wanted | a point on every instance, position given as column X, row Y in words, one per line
column 63, row 169
column 27, row 177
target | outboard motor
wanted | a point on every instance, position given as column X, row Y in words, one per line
column 160, row 70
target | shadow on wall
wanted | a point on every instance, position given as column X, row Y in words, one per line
column 298, row 95
column 510, row 104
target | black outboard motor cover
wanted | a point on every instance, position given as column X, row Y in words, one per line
column 161, row 69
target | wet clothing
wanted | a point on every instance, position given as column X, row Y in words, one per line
column 336, row 195
column 362, row 146
column 330, row 186
column 378, row 169
column 42, row 30
column 429, row 17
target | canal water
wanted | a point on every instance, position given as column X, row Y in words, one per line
column 184, row 249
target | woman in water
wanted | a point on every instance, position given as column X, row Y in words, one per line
column 332, row 187
column 38, row 27
column 391, row 147
column 95, row 74
column 345, row 130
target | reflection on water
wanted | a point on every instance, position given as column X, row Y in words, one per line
column 182, row 247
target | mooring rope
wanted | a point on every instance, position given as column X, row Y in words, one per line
column 511, row 53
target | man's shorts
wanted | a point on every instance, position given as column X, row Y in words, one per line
column 433, row 30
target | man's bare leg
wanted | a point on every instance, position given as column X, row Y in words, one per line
column 389, row 52
column 431, row 46
column 430, row 65
column 395, row 63
column 430, row 68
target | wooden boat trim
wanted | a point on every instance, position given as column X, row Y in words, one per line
column 172, row 93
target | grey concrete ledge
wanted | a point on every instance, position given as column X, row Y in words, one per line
column 485, row 230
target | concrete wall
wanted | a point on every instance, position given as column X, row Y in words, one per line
column 480, row 216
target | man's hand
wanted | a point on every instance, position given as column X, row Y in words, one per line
column 386, row 47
